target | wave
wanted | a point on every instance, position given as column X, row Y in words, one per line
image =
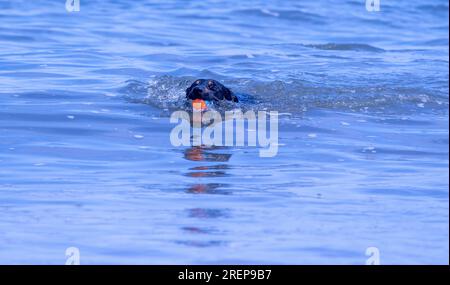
column 167, row 93
column 284, row 14
column 345, row 47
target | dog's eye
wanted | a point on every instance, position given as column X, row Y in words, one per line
column 211, row 84
column 197, row 82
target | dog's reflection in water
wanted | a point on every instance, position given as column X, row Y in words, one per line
column 202, row 153
column 197, row 233
column 206, row 154
column 206, row 172
column 210, row 188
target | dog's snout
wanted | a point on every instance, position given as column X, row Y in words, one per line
column 197, row 91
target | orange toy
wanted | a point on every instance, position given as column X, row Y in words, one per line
column 199, row 105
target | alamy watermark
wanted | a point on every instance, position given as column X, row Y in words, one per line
column 73, row 6
column 374, row 256
column 209, row 128
column 373, row 5
column 72, row 256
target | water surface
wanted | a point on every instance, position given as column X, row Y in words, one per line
column 86, row 160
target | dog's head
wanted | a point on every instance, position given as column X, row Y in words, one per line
column 209, row 90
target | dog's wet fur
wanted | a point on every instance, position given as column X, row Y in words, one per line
column 210, row 90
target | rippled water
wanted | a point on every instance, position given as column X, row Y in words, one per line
column 86, row 160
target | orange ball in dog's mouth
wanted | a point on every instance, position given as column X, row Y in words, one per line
column 199, row 105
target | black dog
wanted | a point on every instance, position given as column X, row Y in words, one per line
column 209, row 90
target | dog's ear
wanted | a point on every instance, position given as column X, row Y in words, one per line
column 228, row 94
column 188, row 90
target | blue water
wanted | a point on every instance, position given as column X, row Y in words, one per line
column 86, row 160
